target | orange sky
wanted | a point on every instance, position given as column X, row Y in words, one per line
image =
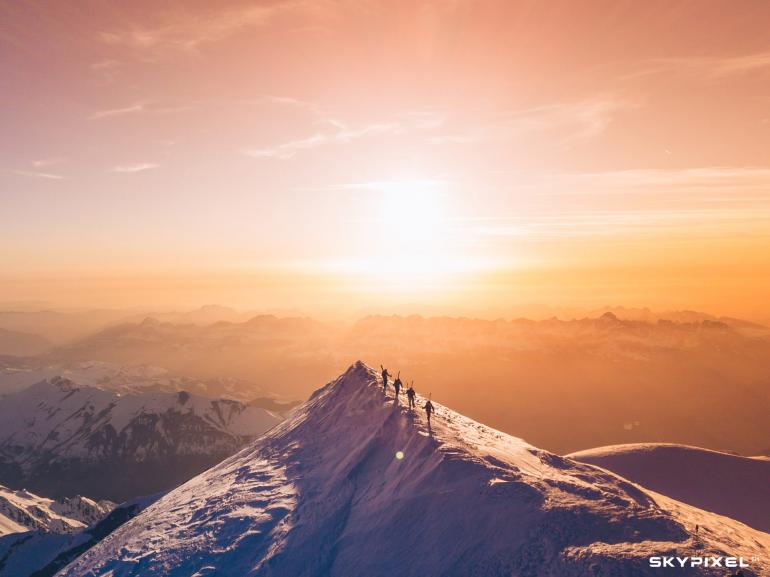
column 449, row 156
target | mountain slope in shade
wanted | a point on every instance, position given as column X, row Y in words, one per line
column 22, row 511
column 325, row 494
column 42, row 554
column 731, row 485
column 61, row 439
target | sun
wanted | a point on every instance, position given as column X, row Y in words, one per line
column 405, row 239
column 412, row 228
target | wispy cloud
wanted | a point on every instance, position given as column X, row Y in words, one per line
column 185, row 31
column 112, row 112
column 36, row 174
column 339, row 132
column 581, row 121
column 715, row 67
column 140, row 108
column 600, row 203
column 42, row 162
column 292, row 102
column 573, row 122
column 701, row 181
column 106, row 69
column 342, row 134
column 138, row 167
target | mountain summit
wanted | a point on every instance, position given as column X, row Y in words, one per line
column 354, row 484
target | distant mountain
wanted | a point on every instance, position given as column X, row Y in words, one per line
column 42, row 554
column 274, row 353
column 22, row 344
column 22, row 511
column 731, row 485
column 566, row 385
column 130, row 379
column 59, row 327
column 356, row 484
column 61, row 439
column 205, row 315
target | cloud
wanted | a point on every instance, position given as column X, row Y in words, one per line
column 42, row 162
column 110, row 113
column 342, row 134
column 701, row 181
column 188, row 32
column 715, row 67
column 582, row 121
column 576, row 121
column 339, row 132
column 129, row 168
column 140, row 108
column 585, row 204
column 290, row 101
column 36, row 174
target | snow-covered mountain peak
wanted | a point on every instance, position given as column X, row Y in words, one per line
column 61, row 439
column 60, row 383
column 356, row 483
column 21, row 511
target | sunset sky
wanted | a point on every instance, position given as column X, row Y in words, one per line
column 452, row 156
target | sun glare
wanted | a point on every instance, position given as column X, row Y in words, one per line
column 413, row 235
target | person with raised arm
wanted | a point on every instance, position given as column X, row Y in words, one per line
column 385, row 376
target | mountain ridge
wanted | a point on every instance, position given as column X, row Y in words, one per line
column 325, row 493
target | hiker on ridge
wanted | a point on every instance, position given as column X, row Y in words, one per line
column 429, row 410
column 397, row 384
column 385, row 376
column 410, row 394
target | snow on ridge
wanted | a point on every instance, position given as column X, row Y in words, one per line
column 324, row 493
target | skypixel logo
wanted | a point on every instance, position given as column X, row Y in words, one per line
column 698, row 562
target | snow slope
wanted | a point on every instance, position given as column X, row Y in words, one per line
column 60, row 439
column 731, row 485
column 22, row 511
column 324, row 494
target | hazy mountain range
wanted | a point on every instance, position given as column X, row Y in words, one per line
column 566, row 385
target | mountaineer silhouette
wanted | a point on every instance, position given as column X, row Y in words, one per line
column 410, row 394
column 429, row 410
column 385, row 376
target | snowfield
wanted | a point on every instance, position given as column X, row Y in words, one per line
column 731, row 485
column 323, row 494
